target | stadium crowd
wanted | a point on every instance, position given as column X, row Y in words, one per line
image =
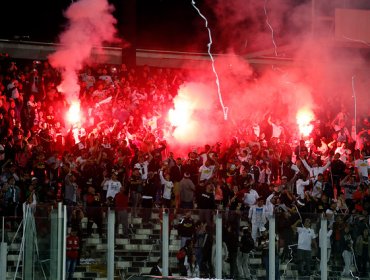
column 117, row 156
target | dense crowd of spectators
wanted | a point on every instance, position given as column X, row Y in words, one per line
column 117, row 156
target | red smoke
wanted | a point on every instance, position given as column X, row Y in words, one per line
column 195, row 115
column 90, row 25
column 310, row 74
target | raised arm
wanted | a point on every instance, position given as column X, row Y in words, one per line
column 326, row 166
column 294, row 226
column 309, row 168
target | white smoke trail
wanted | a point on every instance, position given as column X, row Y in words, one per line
column 224, row 109
column 269, row 25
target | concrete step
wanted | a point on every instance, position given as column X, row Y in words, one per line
column 138, row 253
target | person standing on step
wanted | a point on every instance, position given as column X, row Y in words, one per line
column 93, row 211
column 246, row 246
column 231, row 237
column 148, row 195
column 32, row 195
column 258, row 217
column 201, row 236
column 70, row 194
column 347, row 254
column 362, row 249
column 136, row 187
column 263, row 245
column 187, row 192
column 185, row 252
column 306, row 241
column 76, row 223
column 12, row 195
column 167, row 185
column 121, row 206
column 206, row 204
column 176, row 174
column 186, row 228
column 72, row 247
column 112, row 185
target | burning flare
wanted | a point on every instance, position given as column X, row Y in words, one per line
column 304, row 120
column 181, row 119
column 181, row 114
column 74, row 113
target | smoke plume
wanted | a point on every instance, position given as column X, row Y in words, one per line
column 90, row 25
column 309, row 72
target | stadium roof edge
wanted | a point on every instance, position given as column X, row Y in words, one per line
column 19, row 49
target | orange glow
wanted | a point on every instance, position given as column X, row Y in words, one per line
column 304, row 118
column 74, row 113
column 180, row 116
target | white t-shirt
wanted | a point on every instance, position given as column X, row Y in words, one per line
column 305, row 237
column 250, row 198
column 317, row 189
column 344, row 153
column 362, row 167
column 206, row 172
column 168, row 185
column 113, row 187
column 300, row 184
column 257, row 216
column 167, row 191
column 143, row 167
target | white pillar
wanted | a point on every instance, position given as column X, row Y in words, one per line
column 110, row 245
column 29, row 244
column 324, row 248
column 64, row 242
column 60, row 242
column 165, row 242
column 3, row 257
column 54, row 253
column 272, row 248
column 3, row 254
column 218, row 245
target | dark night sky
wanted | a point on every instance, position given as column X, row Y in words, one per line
column 160, row 24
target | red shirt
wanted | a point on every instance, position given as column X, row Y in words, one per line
column 73, row 245
column 358, row 195
column 121, row 201
column 92, row 200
